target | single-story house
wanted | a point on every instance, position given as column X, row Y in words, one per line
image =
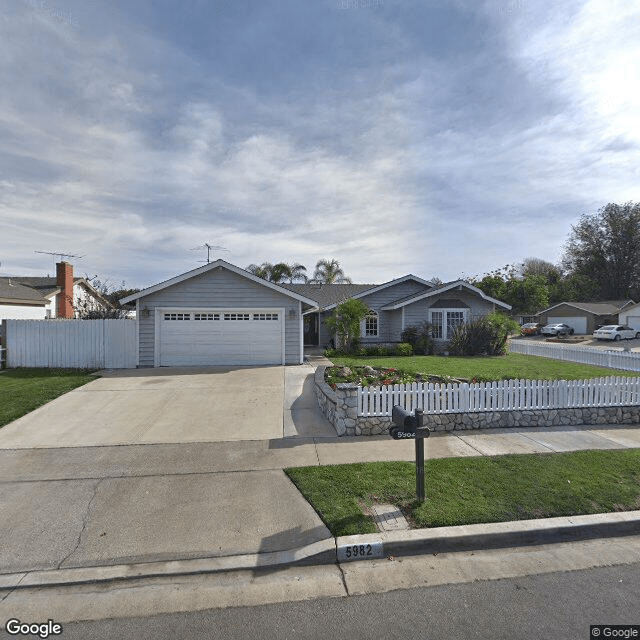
column 630, row 316
column 221, row 314
column 396, row 305
column 584, row 317
column 40, row 298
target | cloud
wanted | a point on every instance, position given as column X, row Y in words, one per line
column 436, row 138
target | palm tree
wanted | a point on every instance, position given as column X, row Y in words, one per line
column 297, row 273
column 261, row 270
column 279, row 273
column 329, row 272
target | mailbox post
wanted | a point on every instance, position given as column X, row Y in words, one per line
column 407, row 426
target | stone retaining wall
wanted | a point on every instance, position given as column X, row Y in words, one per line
column 339, row 406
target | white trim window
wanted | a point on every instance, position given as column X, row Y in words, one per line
column 444, row 321
column 369, row 325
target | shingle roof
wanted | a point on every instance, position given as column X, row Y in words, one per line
column 45, row 285
column 11, row 289
column 603, row 308
column 328, row 294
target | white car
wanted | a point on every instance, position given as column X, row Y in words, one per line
column 557, row 329
column 615, row 332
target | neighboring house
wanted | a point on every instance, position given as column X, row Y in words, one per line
column 630, row 316
column 584, row 317
column 38, row 298
column 220, row 314
column 396, row 305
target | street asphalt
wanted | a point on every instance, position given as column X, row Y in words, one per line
column 185, row 492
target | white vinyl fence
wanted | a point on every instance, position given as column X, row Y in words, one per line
column 505, row 395
column 83, row 344
column 623, row 360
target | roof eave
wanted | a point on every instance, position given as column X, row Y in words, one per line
column 444, row 289
column 218, row 264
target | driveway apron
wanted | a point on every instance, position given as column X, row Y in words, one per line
column 165, row 405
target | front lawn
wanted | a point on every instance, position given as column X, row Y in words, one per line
column 513, row 366
column 467, row 490
column 23, row 390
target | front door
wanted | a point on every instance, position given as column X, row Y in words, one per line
column 311, row 330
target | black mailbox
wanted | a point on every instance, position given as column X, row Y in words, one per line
column 403, row 419
column 407, row 425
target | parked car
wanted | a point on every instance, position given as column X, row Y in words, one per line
column 557, row 329
column 530, row 329
column 615, row 332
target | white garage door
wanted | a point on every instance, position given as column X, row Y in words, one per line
column 578, row 323
column 220, row 337
column 634, row 322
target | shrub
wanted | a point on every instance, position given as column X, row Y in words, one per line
column 420, row 338
column 344, row 323
column 478, row 337
column 404, row 349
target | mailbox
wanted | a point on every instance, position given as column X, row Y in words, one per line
column 407, row 425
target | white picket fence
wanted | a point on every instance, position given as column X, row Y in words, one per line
column 623, row 360
column 504, row 395
column 82, row 344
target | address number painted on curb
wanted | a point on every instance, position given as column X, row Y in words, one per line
column 368, row 551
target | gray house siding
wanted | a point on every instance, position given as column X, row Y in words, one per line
column 219, row 288
column 418, row 312
column 389, row 322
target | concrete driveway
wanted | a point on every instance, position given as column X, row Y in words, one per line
column 166, row 405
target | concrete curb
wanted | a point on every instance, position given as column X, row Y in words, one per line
column 349, row 548
column 322, row 552
column 490, row 535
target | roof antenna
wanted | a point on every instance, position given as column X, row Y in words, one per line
column 209, row 248
column 62, row 255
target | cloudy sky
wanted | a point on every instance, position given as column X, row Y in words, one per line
column 439, row 137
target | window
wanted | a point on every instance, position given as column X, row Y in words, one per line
column 444, row 321
column 265, row 316
column 206, row 316
column 237, row 316
column 177, row 316
column 436, row 324
column 370, row 328
column 454, row 318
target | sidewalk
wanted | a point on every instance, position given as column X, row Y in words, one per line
column 87, row 514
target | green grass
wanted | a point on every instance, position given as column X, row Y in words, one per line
column 23, row 390
column 474, row 490
column 511, row 366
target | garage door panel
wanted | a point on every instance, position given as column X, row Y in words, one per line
column 578, row 323
column 220, row 338
column 634, row 322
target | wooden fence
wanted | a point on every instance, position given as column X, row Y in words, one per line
column 623, row 360
column 82, row 344
column 505, row 395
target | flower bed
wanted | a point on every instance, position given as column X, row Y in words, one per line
column 378, row 377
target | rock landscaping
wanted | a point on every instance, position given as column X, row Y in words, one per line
column 377, row 377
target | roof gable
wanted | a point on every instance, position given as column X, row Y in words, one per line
column 372, row 289
column 457, row 284
column 218, row 264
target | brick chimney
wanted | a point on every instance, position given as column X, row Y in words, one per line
column 64, row 279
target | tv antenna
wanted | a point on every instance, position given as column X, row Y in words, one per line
column 59, row 253
column 209, row 248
